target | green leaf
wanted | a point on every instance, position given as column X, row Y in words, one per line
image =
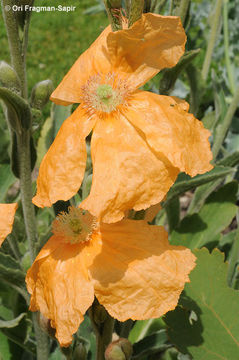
column 233, row 261
column 10, row 269
column 230, row 160
column 212, row 333
column 170, row 75
column 6, row 180
column 201, row 229
column 5, row 353
column 20, row 112
column 11, row 323
column 185, row 182
column 144, row 328
column 59, row 115
column 151, row 344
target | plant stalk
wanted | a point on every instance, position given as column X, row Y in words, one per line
column 18, row 51
column 212, row 40
column 17, row 55
column 226, row 47
column 136, row 11
column 183, row 10
column 223, row 128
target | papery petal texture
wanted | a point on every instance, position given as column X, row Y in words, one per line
column 7, row 213
column 60, row 285
column 126, row 173
column 138, row 275
column 127, row 53
column 152, row 43
column 170, row 130
column 62, row 168
column 93, row 61
column 129, row 266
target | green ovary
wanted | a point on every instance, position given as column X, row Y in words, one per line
column 105, row 93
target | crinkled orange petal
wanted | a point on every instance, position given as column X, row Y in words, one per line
column 138, row 275
column 151, row 212
column 126, row 173
column 60, row 286
column 62, row 168
column 7, row 212
column 92, row 61
column 154, row 42
column 172, row 131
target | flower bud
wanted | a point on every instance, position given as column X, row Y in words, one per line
column 9, row 78
column 80, row 352
column 120, row 349
column 41, row 93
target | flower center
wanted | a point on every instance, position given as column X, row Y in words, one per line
column 104, row 93
column 75, row 227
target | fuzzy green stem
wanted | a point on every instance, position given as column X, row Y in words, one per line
column 183, row 10
column 113, row 9
column 126, row 328
column 16, row 53
column 171, row 7
column 159, row 7
column 14, row 246
column 226, row 47
column 103, row 331
column 127, row 7
column 223, row 128
column 104, row 338
column 24, row 163
column 136, row 11
column 18, row 59
column 212, row 40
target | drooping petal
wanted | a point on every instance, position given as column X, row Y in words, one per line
column 151, row 212
column 94, row 60
column 172, row 131
column 154, row 42
column 60, row 286
column 62, row 168
column 138, row 275
column 126, row 173
column 7, row 212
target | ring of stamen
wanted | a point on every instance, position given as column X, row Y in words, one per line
column 104, row 93
column 75, row 227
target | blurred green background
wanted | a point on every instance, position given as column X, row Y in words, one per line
column 56, row 39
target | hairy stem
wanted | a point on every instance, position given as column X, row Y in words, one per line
column 183, row 10
column 104, row 337
column 223, row 128
column 136, row 11
column 103, row 330
column 212, row 40
column 24, row 163
column 226, row 47
column 16, row 53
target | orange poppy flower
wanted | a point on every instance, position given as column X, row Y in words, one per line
column 7, row 212
column 129, row 266
column 140, row 140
